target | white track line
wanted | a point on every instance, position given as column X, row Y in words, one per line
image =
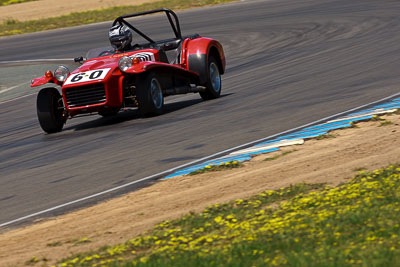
column 277, row 144
column 12, row 87
column 37, row 60
column 6, row 101
column 27, row 61
column 190, row 163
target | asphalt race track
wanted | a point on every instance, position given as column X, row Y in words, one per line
column 290, row 62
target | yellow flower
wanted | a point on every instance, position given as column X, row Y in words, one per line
column 218, row 219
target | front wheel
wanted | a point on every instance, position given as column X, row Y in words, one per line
column 213, row 85
column 149, row 95
column 50, row 110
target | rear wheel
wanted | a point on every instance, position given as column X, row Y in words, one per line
column 213, row 85
column 149, row 95
column 50, row 110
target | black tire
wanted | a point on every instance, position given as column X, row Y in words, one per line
column 50, row 110
column 213, row 84
column 149, row 95
column 109, row 113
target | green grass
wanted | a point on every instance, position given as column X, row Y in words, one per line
column 272, row 158
column 354, row 224
column 377, row 118
column 83, row 240
column 385, row 123
column 382, row 121
column 32, row 261
column 354, row 125
column 359, row 169
column 12, row 27
column 281, row 155
column 221, row 167
column 12, row 2
column 54, row 244
column 326, row 136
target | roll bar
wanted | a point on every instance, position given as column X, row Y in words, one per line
column 174, row 24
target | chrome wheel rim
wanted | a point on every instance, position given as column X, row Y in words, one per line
column 215, row 77
column 156, row 93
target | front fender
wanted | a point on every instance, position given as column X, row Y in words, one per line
column 43, row 80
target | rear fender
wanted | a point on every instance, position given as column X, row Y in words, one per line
column 197, row 53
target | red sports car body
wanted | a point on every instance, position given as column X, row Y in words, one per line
column 109, row 80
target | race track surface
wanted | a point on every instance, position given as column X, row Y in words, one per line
column 289, row 62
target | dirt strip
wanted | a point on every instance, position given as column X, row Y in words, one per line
column 331, row 160
column 53, row 8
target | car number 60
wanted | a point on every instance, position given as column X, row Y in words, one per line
column 87, row 76
column 92, row 76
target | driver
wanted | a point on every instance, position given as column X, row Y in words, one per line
column 120, row 38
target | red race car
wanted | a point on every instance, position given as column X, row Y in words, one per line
column 126, row 75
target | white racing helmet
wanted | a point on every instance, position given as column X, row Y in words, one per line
column 120, row 37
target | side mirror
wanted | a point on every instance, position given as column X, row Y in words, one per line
column 79, row 59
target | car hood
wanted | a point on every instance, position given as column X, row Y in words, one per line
column 98, row 63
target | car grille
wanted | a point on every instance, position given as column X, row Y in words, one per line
column 85, row 95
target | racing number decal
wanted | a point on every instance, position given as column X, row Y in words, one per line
column 96, row 74
column 87, row 76
column 77, row 77
column 93, row 76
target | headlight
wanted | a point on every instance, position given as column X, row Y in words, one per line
column 61, row 73
column 124, row 63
